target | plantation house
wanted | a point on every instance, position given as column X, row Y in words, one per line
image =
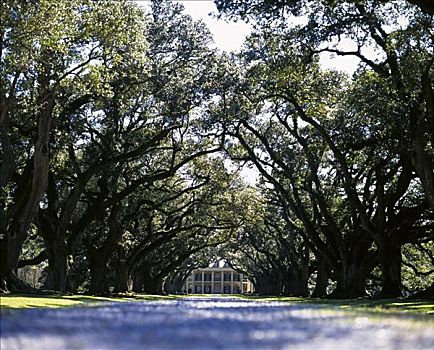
column 219, row 278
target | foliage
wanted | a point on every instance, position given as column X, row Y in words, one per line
column 122, row 133
column 349, row 158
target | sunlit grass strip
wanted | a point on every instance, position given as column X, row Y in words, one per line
column 380, row 306
column 372, row 305
column 25, row 301
column 50, row 301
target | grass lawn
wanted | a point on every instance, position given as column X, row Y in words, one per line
column 26, row 301
column 383, row 306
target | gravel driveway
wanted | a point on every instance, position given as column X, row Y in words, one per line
column 208, row 323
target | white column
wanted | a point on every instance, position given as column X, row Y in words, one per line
column 203, row 282
column 232, row 283
column 212, row 282
column 192, row 283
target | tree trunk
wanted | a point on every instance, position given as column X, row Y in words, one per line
column 6, row 171
column 57, row 252
column 179, row 283
column 153, row 286
column 13, row 254
column 137, row 276
column 390, row 265
column 121, row 272
column 15, row 284
column 55, row 244
column 99, row 257
column 322, row 277
column 3, row 252
column 19, row 229
column 98, row 273
column 295, row 283
column 267, row 286
column 299, row 289
column 173, row 284
column 421, row 159
column 350, row 282
column 302, row 287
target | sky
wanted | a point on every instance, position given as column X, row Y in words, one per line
column 229, row 36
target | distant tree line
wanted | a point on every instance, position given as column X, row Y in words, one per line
column 122, row 135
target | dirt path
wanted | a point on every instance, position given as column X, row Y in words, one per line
column 208, row 323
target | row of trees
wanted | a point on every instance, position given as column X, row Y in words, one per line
column 107, row 160
column 348, row 162
column 118, row 128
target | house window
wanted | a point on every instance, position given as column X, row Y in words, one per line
column 198, row 276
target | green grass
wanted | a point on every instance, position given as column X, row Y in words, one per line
column 380, row 307
column 23, row 301
column 383, row 306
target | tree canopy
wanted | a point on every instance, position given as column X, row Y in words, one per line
column 123, row 135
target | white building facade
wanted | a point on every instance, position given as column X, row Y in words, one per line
column 217, row 280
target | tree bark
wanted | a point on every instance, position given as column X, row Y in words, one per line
column 296, row 279
column 351, row 278
column 322, row 277
column 153, row 286
column 138, row 280
column 121, row 272
column 57, row 252
column 267, row 286
column 55, row 246
column 99, row 257
column 390, row 264
column 3, row 262
column 6, row 170
column 18, row 231
column 99, row 272
column 173, row 284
